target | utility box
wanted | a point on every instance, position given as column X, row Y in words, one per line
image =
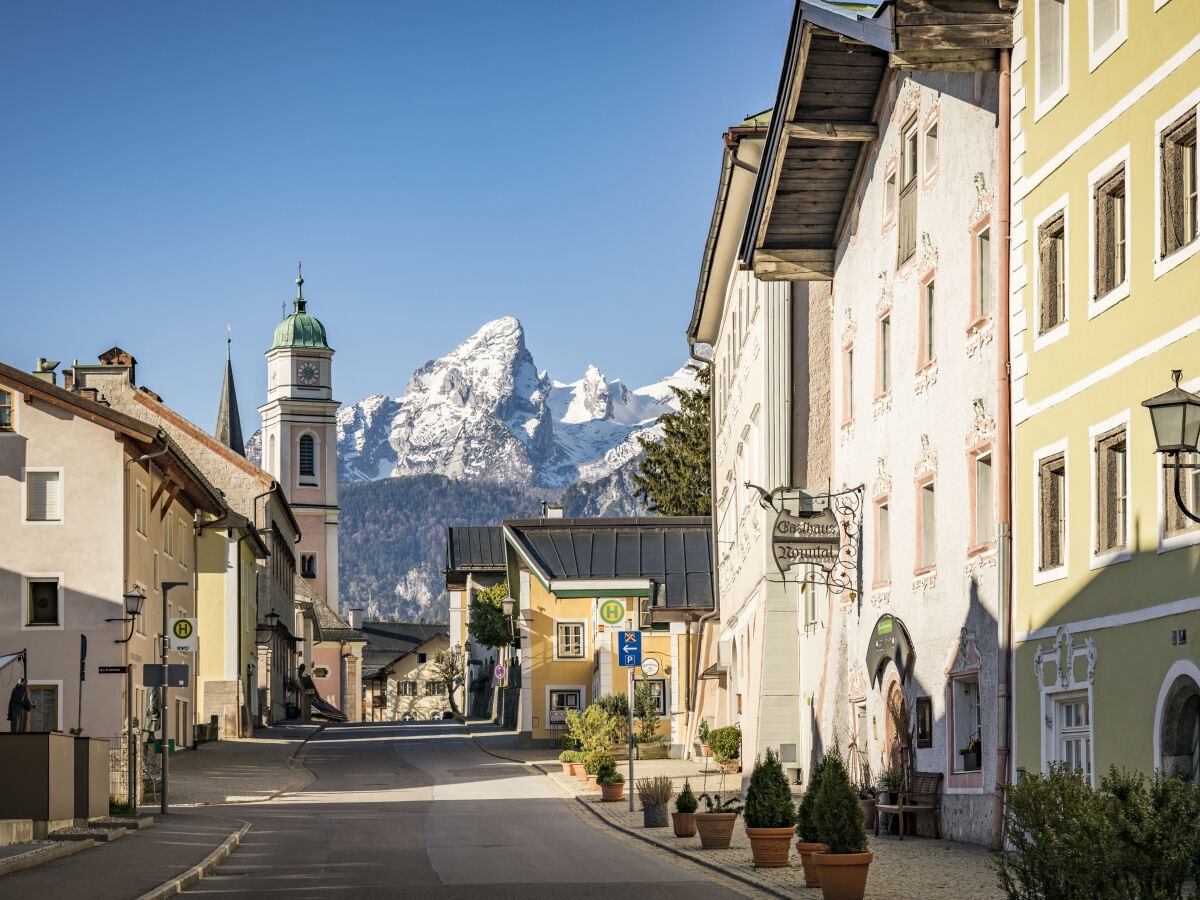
column 41, row 780
column 91, row 778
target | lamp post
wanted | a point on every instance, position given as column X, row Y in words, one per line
column 133, row 601
column 508, row 607
column 1175, row 415
column 163, row 708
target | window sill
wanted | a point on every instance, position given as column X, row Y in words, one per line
column 1051, row 336
column 1045, row 576
column 927, row 570
column 1177, row 540
column 965, row 780
column 980, row 549
column 980, row 323
column 1110, row 557
column 881, row 585
column 1175, row 257
column 1098, row 305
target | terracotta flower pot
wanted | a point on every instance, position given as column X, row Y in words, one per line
column 812, row 878
column 609, row 792
column 716, row 829
column 705, row 750
column 684, row 823
column 568, row 768
column 591, row 780
column 770, row 846
column 579, row 771
column 843, row 875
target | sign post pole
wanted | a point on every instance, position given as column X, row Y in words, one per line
column 164, row 711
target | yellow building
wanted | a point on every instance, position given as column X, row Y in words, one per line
column 1104, row 215
column 579, row 584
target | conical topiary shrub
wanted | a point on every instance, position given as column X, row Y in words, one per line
column 807, row 842
column 839, row 820
column 770, row 813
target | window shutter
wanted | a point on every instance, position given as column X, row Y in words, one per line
column 42, row 503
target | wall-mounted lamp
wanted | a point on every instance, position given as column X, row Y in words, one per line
column 1175, row 415
column 133, row 599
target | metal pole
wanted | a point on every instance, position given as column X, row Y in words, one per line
column 131, row 749
column 166, row 646
column 629, row 696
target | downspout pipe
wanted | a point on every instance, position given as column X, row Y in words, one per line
column 712, row 510
column 1004, row 444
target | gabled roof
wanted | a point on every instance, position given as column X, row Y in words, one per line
column 474, row 549
column 670, row 556
column 388, row 642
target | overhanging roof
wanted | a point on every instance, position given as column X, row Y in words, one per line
column 474, row 549
column 669, row 556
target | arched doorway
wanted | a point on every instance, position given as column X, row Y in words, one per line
column 1179, row 735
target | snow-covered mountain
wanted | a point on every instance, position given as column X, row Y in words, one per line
column 483, row 412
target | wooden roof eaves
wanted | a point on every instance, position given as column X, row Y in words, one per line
column 864, row 155
column 96, row 413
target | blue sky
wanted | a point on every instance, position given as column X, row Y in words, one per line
column 435, row 166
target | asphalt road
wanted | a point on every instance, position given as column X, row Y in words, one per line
column 417, row 810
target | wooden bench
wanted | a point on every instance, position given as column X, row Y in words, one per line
column 923, row 797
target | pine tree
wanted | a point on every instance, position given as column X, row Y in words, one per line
column 674, row 478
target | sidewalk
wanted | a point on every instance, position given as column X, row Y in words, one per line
column 179, row 848
column 917, row 868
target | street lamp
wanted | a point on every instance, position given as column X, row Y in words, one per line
column 133, row 608
column 272, row 619
column 1175, row 415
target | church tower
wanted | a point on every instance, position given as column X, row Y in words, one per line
column 299, row 440
column 229, row 422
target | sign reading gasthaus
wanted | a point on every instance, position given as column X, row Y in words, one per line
column 814, row 540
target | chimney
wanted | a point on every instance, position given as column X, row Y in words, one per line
column 356, row 619
column 554, row 512
column 45, row 369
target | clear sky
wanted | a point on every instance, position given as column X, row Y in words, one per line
column 435, row 165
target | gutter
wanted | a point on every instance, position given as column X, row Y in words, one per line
column 712, row 511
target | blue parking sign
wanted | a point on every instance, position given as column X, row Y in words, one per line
column 630, row 648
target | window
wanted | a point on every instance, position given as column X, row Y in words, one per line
column 930, row 150
column 985, row 515
column 908, row 193
column 168, row 528
column 308, row 565
column 883, row 543
column 435, row 688
column 889, row 197
column 1051, row 50
column 1052, row 512
column 1175, row 522
column 1108, row 28
column 1178, row 145
column 1073, row 733
column 43, row 496
column 44, row 715
column 142, row 510
column 181, row 541
column 658, row 689
column 885, row 354
column 983, row 272
column 1112, row 491
column 964, row 693
column 847, row 383
column 927, row 557
column 1052, row 273
column 1111, row 243
column 6, row 411
column 422, row 658
column 406, row 689
column 43, row 603
column 927, row 353
column 569, row 643
column 308, row 465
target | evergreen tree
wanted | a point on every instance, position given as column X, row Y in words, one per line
column 487, row 624
column 675, row 478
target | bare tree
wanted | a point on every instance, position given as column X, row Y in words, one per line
column 448, row 670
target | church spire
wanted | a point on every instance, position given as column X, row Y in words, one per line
column 229, row 424
column 300, row 301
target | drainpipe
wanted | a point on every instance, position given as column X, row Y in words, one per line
column 712, row 511
column 1004, row 648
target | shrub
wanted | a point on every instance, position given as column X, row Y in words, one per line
column 645, row 708
column 594, row 729
column 655, row 789
column 806, row 828
column 1156, row 834
column 686, row 802
column 702, row 731
column 725, row 743
column 599, row 761
column 769, row 801
column 610, row 776
column 891, row 779
column 566, row 742
column 836, row 811
column 1060, row 837
column 567, row 756
column 617, row 706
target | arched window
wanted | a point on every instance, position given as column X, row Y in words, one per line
column 308, row 465
column 1179, row 736
column 271, row 454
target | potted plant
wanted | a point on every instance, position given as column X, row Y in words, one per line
column 610, row 781
column 596, row 763
column 655, row 793
column 567, row 758
column 891, row 782
column 970, row 755
column 807, row 842
column 770, row 813
column 702, row 736
column 838, row 817
column 684, row 817
column 715, row 825
column 726, row 744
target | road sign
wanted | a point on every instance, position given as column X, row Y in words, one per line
column 113, row 670
column 650, row 667
column 183, row 635
column 629, row 648
column 612, row 612
column 177, row 675
column 499, row 672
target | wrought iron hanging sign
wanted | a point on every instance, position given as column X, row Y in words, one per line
column 814, row 541
column 819, row 532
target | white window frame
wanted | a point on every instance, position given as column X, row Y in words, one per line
column 1062, row 329
column 141, row 509
column 1043, row 104
column 1164, row 264
column 984, row 502
column 1043, row 576
column 27, row 625
column 583, row 639
column 663, row 695
column 552, row 689
column 313, row 480
column 1099, row 304
column 1104, row 558
column 1098, row 53
column 1078, row 653
column 12, row 411
column 1058, row 702
column 929, row 167
column 962, row 726
column 25, row 511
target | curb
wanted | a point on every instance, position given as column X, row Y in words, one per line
column 37, row 857
column 198, row 871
